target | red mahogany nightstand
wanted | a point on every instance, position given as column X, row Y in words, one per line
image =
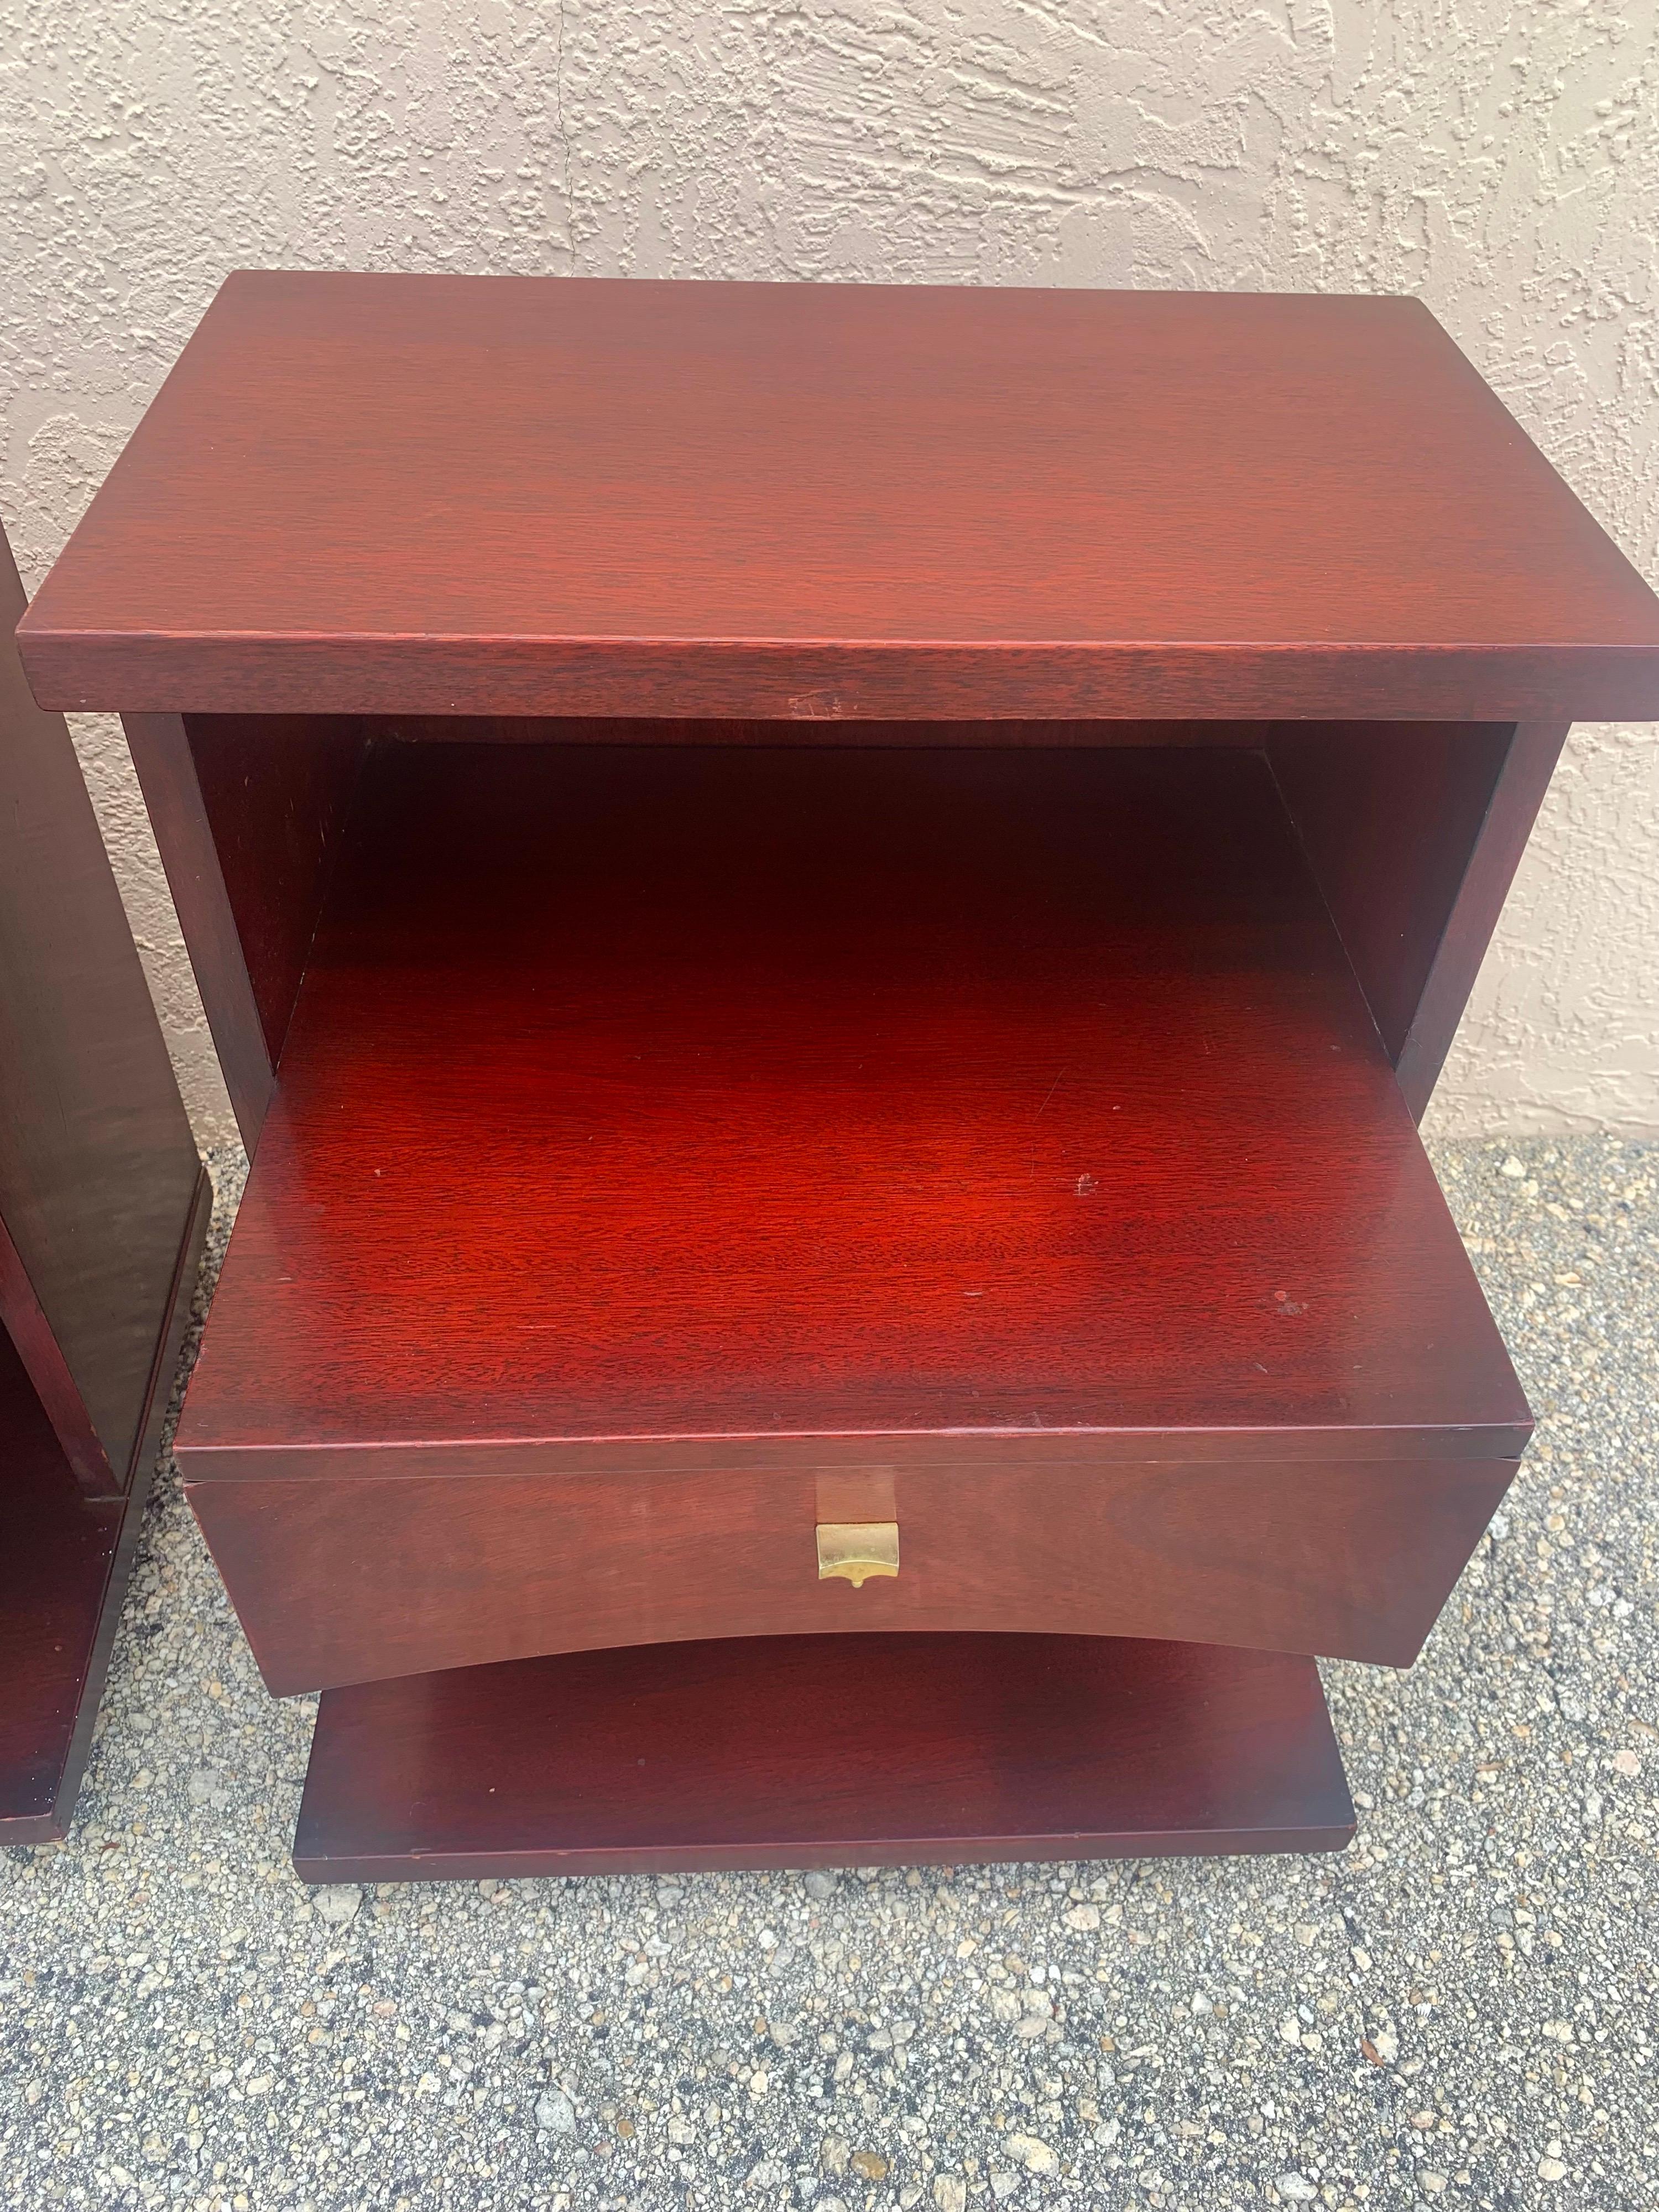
column 103, row 1209
column 828, row 910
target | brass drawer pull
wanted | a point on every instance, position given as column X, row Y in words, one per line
column 856, row 1550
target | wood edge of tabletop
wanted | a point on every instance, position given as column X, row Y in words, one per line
column 816, row 682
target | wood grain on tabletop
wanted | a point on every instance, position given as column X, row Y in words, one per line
column 406, row 493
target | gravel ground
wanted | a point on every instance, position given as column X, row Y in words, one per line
column 1459, row 2009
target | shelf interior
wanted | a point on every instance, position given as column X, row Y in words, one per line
column 702, row 1092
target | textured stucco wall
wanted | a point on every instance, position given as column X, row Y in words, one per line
column 1503, row 160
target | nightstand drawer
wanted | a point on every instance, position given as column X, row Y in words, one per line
column 358, row 1576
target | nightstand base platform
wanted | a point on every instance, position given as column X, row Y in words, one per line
column 823, row 1751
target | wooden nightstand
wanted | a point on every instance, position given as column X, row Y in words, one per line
column 827, row 911
column 103, row 1209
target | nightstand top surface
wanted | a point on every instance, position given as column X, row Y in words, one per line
column 388, row 494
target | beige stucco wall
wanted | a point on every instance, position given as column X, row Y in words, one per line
column 1503, row 160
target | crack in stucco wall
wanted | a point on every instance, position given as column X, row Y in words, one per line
column 1500, row 160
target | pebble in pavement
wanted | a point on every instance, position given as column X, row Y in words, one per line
column 1458, row 2011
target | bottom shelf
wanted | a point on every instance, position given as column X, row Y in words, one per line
column 811, row 1751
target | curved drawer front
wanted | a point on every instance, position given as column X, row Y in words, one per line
column 359, row 1577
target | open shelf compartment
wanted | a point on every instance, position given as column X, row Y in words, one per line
column 675, row 1149
column 655, row 1096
